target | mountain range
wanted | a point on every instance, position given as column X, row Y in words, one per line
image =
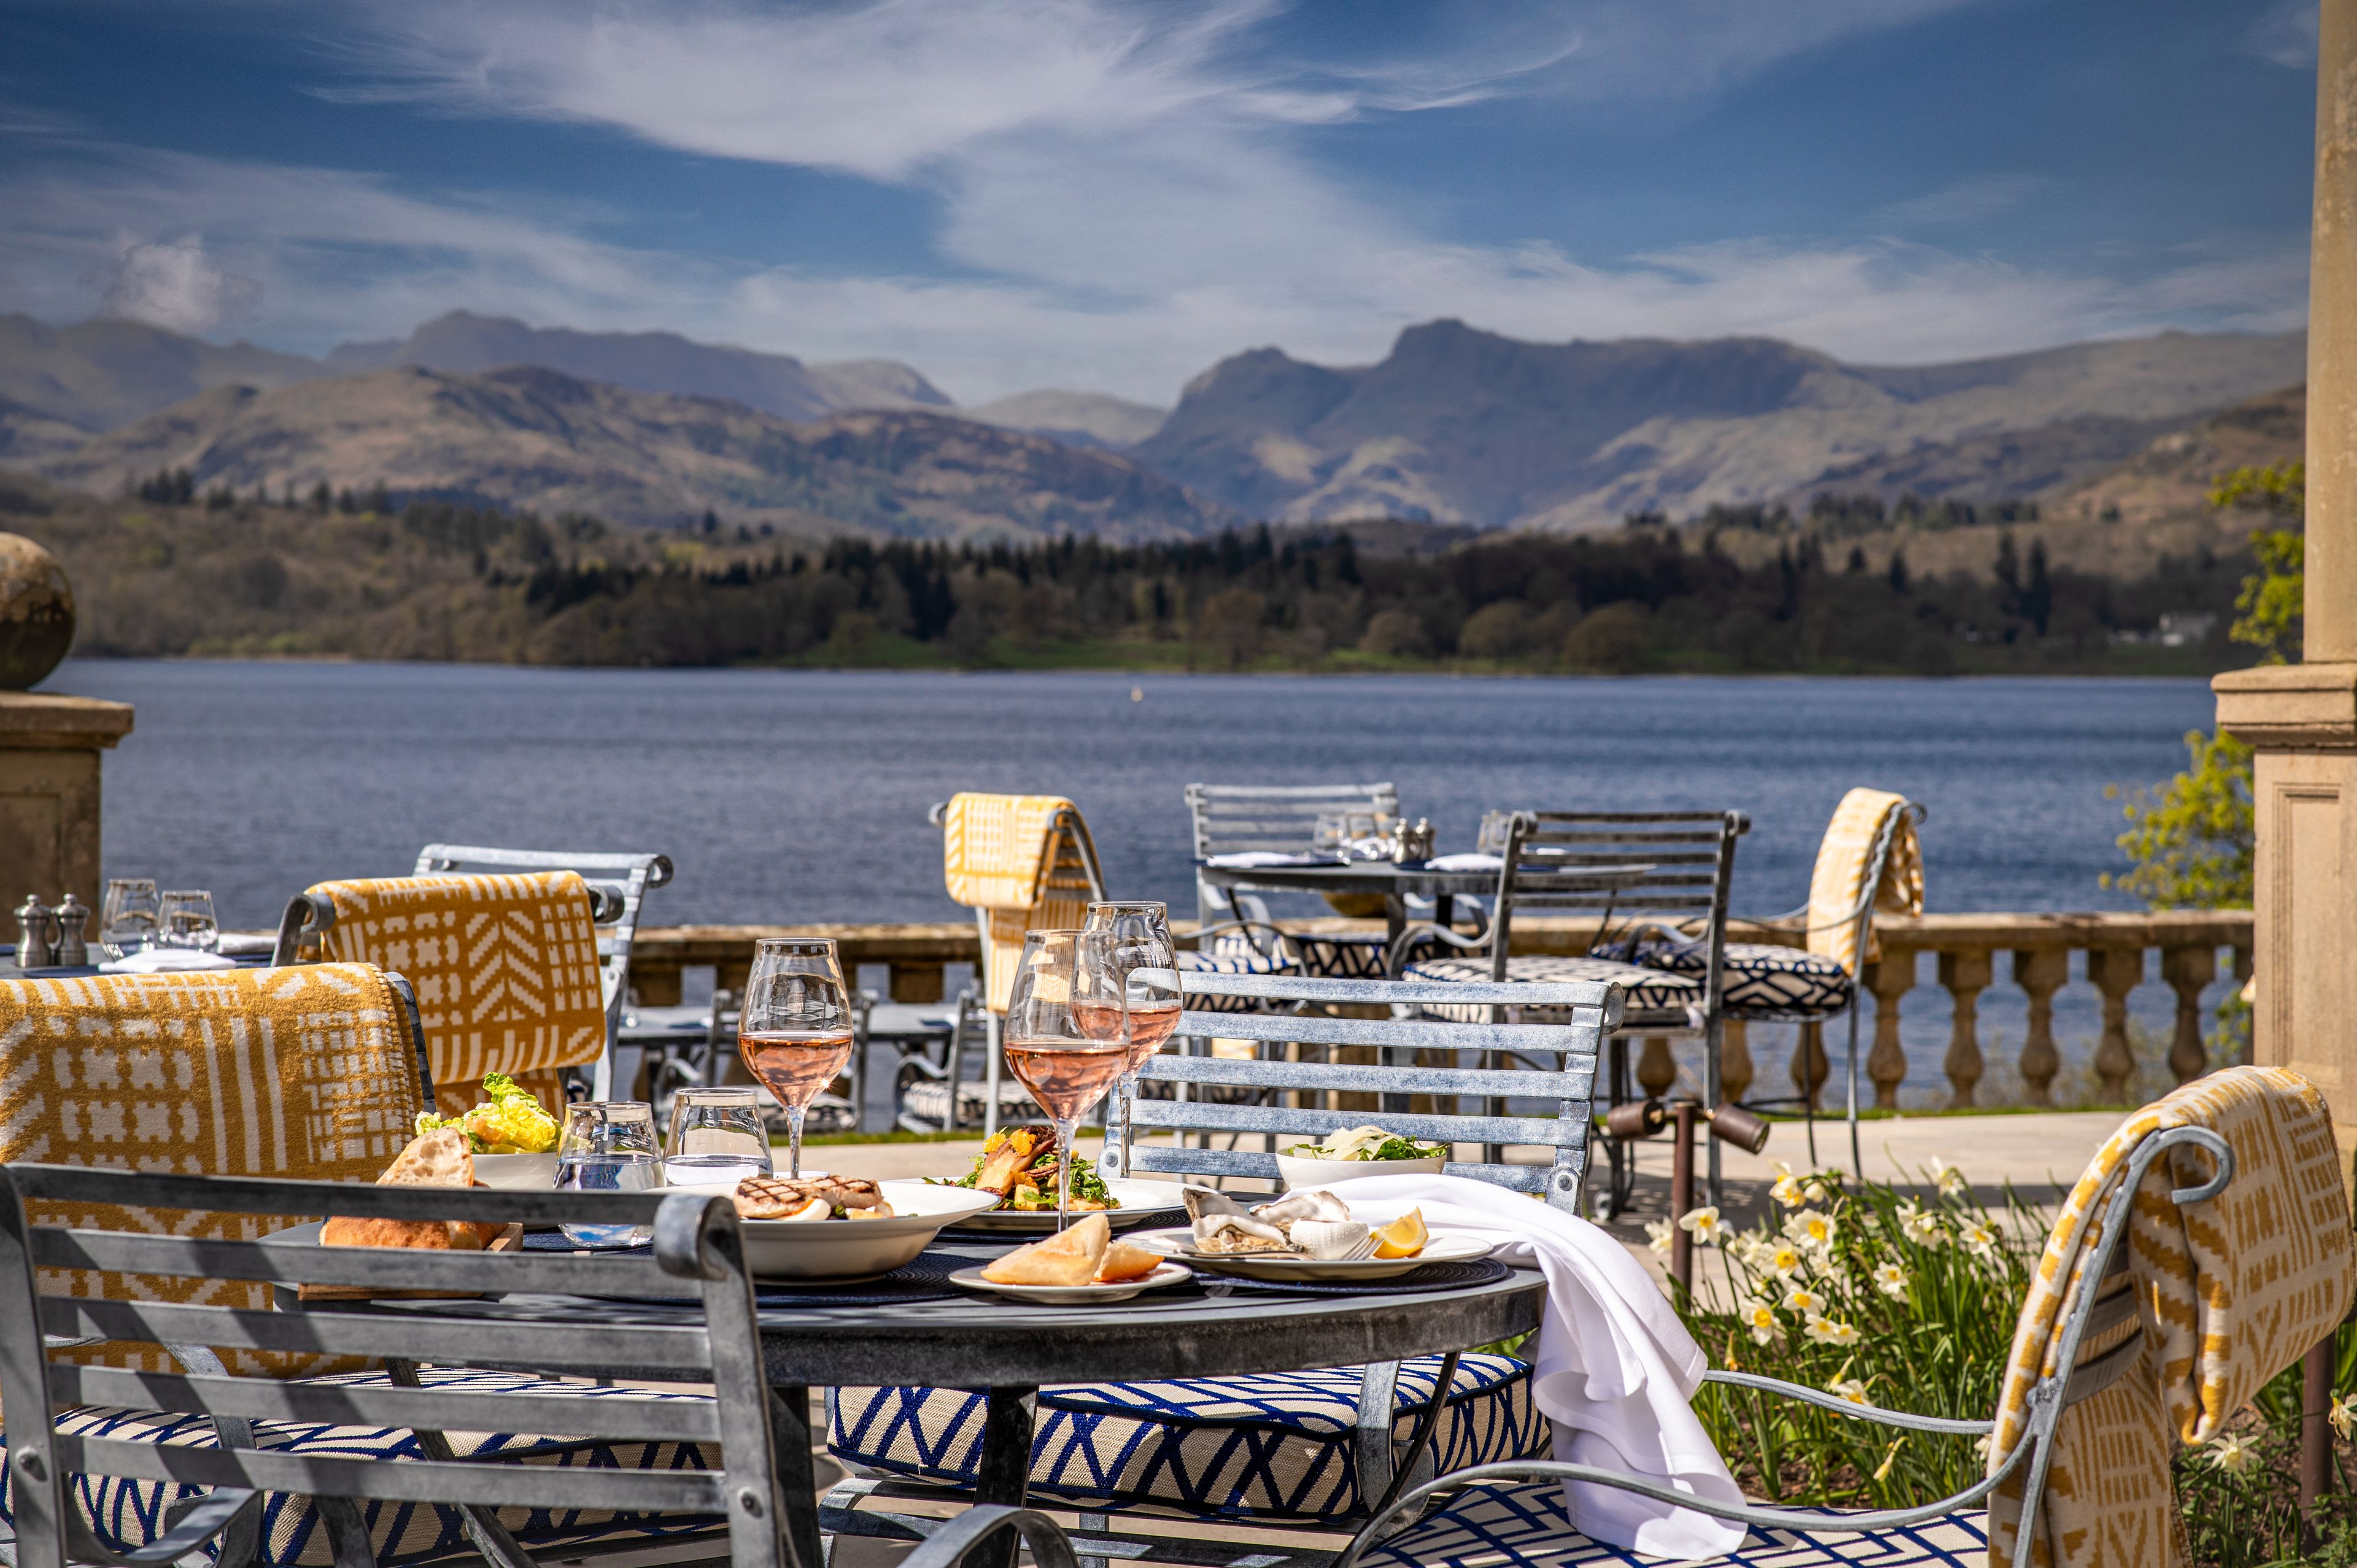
column 1454, row 425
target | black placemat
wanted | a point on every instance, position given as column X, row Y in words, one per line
column 925, row 1277
column 1431, row 1276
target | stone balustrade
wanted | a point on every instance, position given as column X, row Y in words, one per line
column 2035, row 949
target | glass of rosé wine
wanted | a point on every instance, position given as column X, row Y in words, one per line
column 795, row 1031
column 1064, row 979
column 1146, row 959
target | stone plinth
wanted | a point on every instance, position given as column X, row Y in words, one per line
column 49, row 753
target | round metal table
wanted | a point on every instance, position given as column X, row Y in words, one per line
column 1395, row 882
column 1010, row 1349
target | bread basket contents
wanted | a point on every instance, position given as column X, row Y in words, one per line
column 438, row 1158
column 811, row 1198
column 1019, row 1164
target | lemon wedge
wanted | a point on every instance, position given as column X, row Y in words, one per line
column 1404, row 1237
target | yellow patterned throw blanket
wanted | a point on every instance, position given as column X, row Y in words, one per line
column 1004, row 856
column 1838, row 882
column 2234, row 1289
column 306, row 1073
column 505, row 970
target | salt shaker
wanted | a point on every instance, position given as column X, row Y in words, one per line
column 73, row 945
column 33, row 942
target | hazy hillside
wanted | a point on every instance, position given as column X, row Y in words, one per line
column 1464, row 426
column 534, row 439
column 100, row 374
column 1078, row 419
column 650, row 361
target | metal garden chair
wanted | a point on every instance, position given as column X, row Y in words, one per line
column 1458, row 1405
column 617, row 885
column 1692, row 857
column 107, row 1464
column 1233, row 819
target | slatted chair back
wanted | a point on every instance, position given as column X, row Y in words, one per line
column 698, row 1256
column 1236, row 819
column 1274, row 1091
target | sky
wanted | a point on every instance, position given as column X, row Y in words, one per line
column 1111, row 196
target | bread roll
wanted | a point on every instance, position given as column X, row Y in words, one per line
column 1124, row 1261
column 1068, row 1258
column 440, row 1158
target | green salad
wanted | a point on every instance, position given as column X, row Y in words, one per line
column 1367, row 1144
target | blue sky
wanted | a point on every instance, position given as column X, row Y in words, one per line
column 1111, row 196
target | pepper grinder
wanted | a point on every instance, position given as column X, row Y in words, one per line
column 33, row 946
column 73, row 946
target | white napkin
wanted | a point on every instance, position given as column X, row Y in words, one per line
column 165, row 960
column 1615, row 1371
column 1247, row 859
column 1467, row 863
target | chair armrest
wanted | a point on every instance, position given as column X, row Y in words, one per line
column 1278, row 935
column 951, row 1544
column 1855, row 1412
column 1411, row 935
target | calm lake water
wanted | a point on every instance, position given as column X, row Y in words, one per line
column 801, row 796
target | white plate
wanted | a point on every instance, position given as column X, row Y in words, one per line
column 1442, row 1248
column 1075, row 1295
column 1299, row 1172
column 517, row 1172
column 1140, row 1201
column 852, row 1249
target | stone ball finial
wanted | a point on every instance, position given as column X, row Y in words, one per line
column 37, row 613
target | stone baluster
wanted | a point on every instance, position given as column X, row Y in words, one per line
column 1965, row 975
column 2041, row 972
column 1810, row 1066
column 2187, row 970
column 1735, row 1070
column 2116, row 972
column 1890, row 978
column 1657, row 1070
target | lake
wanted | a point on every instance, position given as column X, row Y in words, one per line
column 800, row 796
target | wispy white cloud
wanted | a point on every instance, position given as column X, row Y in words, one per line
column 173, row 284
column 1967, row 201
column 2285, row 35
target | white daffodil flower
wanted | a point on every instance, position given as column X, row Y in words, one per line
column 1978, row 1239
column 1787, row 1190
column 1660, row 1235
column 1950, row 1178
column 2342, row 1414
column 1804, row 1301
column 1759, row 1317
column 1783, row 1260
column 2231, row 1454
column 1849, row 1389
column 1891, row 1281
column 1830, row 1331
column 1811, row 1229
column 1703, row 1224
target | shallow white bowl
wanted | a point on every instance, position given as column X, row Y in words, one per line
column 517, row 1172
column 854, row 1249
column 1301, row 1173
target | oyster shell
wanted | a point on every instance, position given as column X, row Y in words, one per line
column 1237, row 1233
column 1205, row 1200
column 1315, row 1204
column 1329, row 1237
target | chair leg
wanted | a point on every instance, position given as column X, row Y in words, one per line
column 1856, row 1160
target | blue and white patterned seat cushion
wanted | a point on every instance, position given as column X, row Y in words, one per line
column 1644, row 990
column 1353, row 958
column 126, row 1514
column 1522, row 1525
column 1760, row 980
column 1277, row 1445
column 1232, row 953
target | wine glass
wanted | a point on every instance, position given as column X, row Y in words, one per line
column 1066, row 1068
column 1327, row 834
column 1147, row 960
column 130, row 917
column 187, row 920
column 608, row 1145
column 715, row 1135
column 795, row 1029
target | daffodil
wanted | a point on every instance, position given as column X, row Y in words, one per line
column 1814, row 1189
column 1787, row 1190
column 1882, row 1471
column 2231, row 1454
column 1890, row 1279
column 1849, row 1389
column 1811, row 1230
column 1950, row 1179
column 1660, row 1234
column 1923, row 1229
column 1783, row 1260
column 2342, row 1414
column 1832, row 1331
column 1804, row 1301
column 1981, row 1446
column 1704, row 1225
column 1978, row 1238
column 1759, row 1317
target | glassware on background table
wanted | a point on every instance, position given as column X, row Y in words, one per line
column 1496, row 827
column 1065, row 1066
column 609, row 1146
column 131, row 916
column 716, row 1137
column 1327, row 835
column 795, row 1028
column 187, row 920
column 1147, row 958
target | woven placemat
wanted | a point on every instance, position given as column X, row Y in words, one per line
column 1432, row 1276
column 924, row 1278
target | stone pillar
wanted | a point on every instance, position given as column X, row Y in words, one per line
column 2116, row 972
column 1965, row 975
column 49, row 748
column 2041, row 972
column 1735, row 1070
column 1890, row 978
column 2302, row 719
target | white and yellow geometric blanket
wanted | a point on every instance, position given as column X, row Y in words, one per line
column 1007, row 856
column 1837, row 884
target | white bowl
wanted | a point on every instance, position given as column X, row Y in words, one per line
column 1300, row 1172
column 854, row 1249
column 517, row 1172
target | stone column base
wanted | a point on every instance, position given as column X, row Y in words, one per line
column 49, row 751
